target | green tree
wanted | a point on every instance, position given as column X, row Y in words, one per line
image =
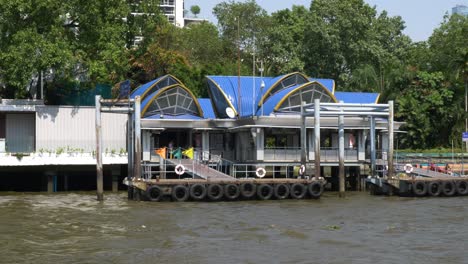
column 426, row 108
column 241, row 23
column 195, row 10
column 349, row 42
column 282, row 49
column 32, row 39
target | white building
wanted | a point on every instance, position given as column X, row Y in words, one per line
column 174, row 11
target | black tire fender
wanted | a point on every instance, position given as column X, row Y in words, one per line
column 180, row 193
column 419, row 188
column 434, row 188
column 154, row 193
column 264, row 191
column 449, row 188
column 462, row 187
column 248, row 190
column 281, row 191
column 197, row 191
column 298, row 191
column 231, row 191
column 315, row 189
column 215, row 192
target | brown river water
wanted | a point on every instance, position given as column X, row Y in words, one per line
column 75, row 228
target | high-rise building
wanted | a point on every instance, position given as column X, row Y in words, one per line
column 174, row 11
column 461, row 10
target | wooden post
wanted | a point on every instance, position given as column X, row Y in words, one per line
column 99, row 176
column 391, row 169
column 303, row 139
column 341, row 154
column 317, row 136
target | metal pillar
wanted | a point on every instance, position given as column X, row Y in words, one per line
column 65, row 182
column 99, row 176
column 115, row 180
column 303, row 138
column 137, row 157
column 341, row 147
column 372, row 144
column 317, row 136
column 391, row 170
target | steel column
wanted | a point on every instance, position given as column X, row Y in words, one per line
column 303, row 138
column 391, row 170
column 341, row 154
column 372, row 144
column 137, row 168
column 317, row 136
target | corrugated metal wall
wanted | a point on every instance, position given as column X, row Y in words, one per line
column 20, row 132
column 74, row 127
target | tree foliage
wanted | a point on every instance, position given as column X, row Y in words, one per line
column 195, row 10
column 90, row 42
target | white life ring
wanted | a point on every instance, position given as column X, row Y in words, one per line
column 260, row 172
column 408, row 168
column 302, row 170
column 179, row 169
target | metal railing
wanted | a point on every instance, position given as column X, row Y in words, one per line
column 294, row 154
column 271, row 170
column 200, row 164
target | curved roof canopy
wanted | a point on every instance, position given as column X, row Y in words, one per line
column 239, row 96
column 173, row 100
column 289, row 99
column 146, row 89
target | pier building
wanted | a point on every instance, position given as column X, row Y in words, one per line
column 246, row 124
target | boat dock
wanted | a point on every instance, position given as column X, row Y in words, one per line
column 418, row 182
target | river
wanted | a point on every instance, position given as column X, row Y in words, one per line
column 75, row 228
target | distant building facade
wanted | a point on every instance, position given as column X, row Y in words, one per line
column 174, row 11
column 460, row 10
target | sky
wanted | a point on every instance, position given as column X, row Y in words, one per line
column 421, row 16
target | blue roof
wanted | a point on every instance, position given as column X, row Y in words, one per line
column 207, row 108
column 142, row 88
column 147, row 100
column 249, row 95
column 273, row 100
column 357, row 97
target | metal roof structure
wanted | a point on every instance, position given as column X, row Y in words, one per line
column 234, row 97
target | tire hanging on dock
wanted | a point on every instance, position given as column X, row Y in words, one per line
column 315, row 189
column 298, row 191
column 434, row 188
column 248, row 190
column 419, row 188
column 462, row 187
column 281, row 191
column 449, row 188
column 264, row 191
column 154, row 193
column 215, row 192
column 198, row 192
column 180, row 193
column 231, row 191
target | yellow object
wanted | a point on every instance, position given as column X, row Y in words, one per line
column 188, row 153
